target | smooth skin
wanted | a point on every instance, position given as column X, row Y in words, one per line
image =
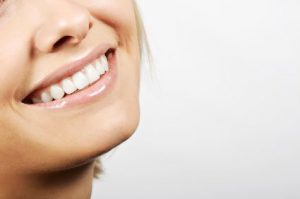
column 48, row 153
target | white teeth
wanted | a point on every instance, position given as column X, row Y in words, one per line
column 46, row 97
column 56, row 92
column 80, row 80
column 104, row 62
column 91, row 74
column 99, row 67
column 68, row 86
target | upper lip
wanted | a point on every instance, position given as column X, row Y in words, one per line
column 71, row 68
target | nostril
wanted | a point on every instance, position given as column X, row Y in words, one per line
column 90, row 25
column 61, row 41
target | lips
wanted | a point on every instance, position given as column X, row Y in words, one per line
column 77, row 82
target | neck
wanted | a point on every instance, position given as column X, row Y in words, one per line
column 75, row 183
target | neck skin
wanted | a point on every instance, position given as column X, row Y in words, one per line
column 72, row 184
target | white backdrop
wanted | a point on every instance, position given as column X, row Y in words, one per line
column 221, row 120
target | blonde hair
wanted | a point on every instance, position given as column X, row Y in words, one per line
column 142, row 36
column 144, row 51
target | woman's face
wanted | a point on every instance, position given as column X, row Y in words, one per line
column 61, row 106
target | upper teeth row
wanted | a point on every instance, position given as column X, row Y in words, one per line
column 78, row 81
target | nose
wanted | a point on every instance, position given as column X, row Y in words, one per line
column 64, row 23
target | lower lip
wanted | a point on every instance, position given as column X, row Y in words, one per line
column 90, row 93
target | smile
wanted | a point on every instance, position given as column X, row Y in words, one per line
column 78, row 82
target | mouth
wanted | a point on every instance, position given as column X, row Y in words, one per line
column 76, row 83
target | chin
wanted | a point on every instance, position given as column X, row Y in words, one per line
column 103, row 135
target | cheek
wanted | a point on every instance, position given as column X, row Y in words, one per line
column 118, row 14
column 13, row 63
column 10, row 77
column 8, row 74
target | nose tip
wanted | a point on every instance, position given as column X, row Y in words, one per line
column 65, row 28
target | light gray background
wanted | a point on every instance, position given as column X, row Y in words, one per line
column 222, row 117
